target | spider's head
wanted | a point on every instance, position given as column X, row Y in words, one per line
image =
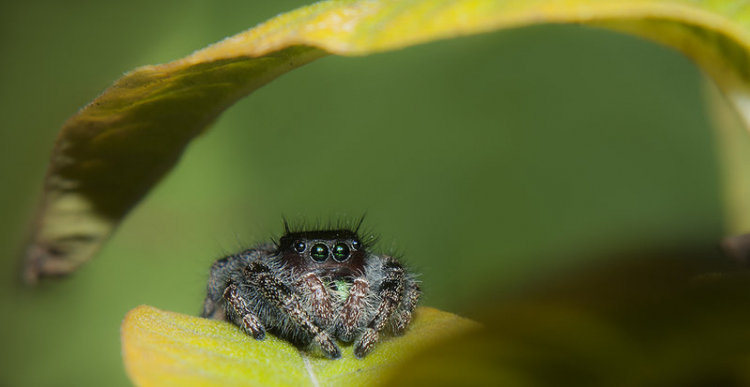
column 334, row 253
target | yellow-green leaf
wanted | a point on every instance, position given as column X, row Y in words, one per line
column 110, row 154
column 674, row 317
column 170, row 349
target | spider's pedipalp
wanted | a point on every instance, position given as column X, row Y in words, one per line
column 353, row 309
column 319, row 299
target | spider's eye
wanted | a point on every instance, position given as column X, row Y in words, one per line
column 299, row 246
column 340, row 252
column 356, row 245
column 319, row 252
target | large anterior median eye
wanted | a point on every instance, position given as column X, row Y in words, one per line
column 319, row 252
column 340, row 252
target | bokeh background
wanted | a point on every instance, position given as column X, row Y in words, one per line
column 490, row 163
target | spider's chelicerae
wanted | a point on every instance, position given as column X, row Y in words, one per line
column 312, row 287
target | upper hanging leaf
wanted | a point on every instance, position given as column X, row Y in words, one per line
column 112, row 152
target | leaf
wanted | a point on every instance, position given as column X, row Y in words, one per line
column 113, row 151
column 170, row 349
column 649, row 318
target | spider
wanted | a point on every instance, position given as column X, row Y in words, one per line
column 311, row 287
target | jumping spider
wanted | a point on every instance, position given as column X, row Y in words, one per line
column 311, row 287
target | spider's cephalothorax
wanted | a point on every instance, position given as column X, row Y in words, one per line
column 311, row 288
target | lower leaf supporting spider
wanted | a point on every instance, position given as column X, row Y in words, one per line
column 312, row 287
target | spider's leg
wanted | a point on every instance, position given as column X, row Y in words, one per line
column 319, row 300
column 404, row 312
column 217, row 284
column 390, row 293
column 351, row 312
column 223, row 272
column 212, row 310
column 250, row 322
column 278, row 294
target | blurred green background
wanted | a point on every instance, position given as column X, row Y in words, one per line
column 489, row 162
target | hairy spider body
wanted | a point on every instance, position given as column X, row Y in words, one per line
column 311, row 288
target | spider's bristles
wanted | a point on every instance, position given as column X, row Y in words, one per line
column 341, row 222
column 359, row 223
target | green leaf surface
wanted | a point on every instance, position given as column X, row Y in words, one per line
column 651, row 318
column 656, row 317
column 170, row 349
column 113, row 151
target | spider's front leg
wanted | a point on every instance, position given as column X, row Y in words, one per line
column 402, row 315
column 280, row 296
column 390, row 292
column 250, row 322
